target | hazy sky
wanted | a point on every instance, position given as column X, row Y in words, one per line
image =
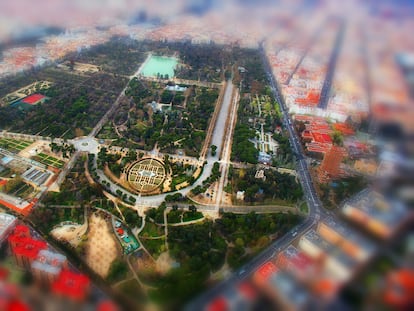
column 20, row 16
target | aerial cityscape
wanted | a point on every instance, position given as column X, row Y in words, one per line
column 207, row 155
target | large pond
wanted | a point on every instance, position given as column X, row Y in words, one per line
column 161, row 65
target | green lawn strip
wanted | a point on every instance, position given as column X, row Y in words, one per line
column 189, row 216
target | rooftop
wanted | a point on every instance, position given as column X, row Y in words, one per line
column 48, row 261
column 289, row 288
column 28, row 247
column 6, row 222
column 72, row 285
column 296, row 258
column 314, row 237
column 349, row 234
column 265, row 271
column 374, row 205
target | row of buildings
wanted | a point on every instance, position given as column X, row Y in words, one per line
column 309, row 274
column 56, row 284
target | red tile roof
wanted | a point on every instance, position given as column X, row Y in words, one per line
column 322, row 138
column 247, row 290
column 400, row 288
column 265, row 271
column 343, row 128
column 218, row 304
column 29, row 247
column 72, row 285
column 17, row 305
column 107, row 305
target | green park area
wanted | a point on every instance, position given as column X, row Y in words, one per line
column 153, row 115
column 200, row 250
column 14, row 145
column 49, row 160
column 265, row 186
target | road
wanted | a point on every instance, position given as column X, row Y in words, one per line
column 217, row 139
column 314, row 204
column 219, row 132
column 111, row 110
column 326, row 87
column 312, row 40
column 226, row 150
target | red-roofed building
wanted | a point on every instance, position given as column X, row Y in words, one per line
column 218, row 304
column 3, row 183
column 324, row 287
column 74, row 286
column 19, row 232
column 399, row 289
column 23, row 208
column 23, row 247
column 264, row 272
column 33, row 99
column 317, row 133
column 296, row 261
column 311, row 99
column 247, row 290
column 22, row 230
column 10, row 295
column 26, row 251
column 343, row 128
column 17, row 305
column 330, row 166
column 322, row 138
column 107, row 305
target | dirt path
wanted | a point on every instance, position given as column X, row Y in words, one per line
column 166, row 228
column 87, row 173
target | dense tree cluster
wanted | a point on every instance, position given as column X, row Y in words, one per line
column 284, row 149
column 276, row 186
column 72, row 104
column 252, row 230
column 119, row 55
column 200, row 249
column 171, row 127
column 243, row 150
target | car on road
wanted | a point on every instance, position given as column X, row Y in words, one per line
column 241, row 272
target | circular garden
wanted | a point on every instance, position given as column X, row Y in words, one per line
column 146, row 175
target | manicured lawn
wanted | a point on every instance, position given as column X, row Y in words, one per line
column 189, row 216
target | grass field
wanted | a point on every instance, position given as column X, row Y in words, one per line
column 151, row 230
column 49, row 160
column 14, row 145
column 189, row 216
column 154, row 247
